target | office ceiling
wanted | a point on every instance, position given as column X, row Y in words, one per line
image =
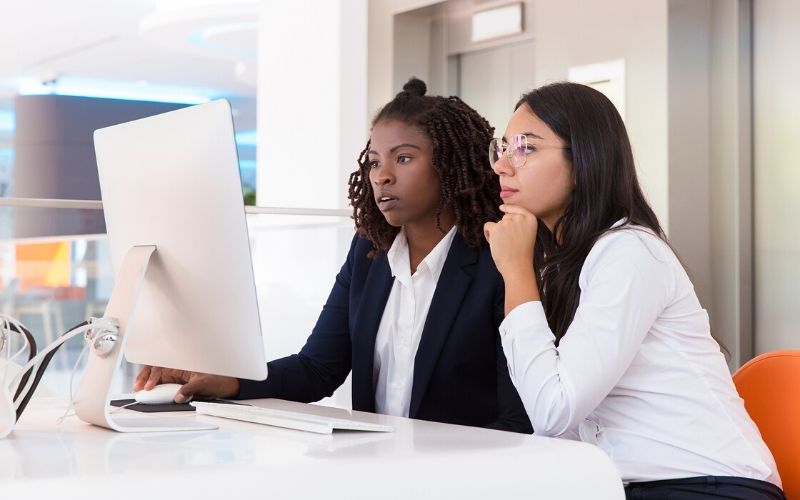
column 203, row 45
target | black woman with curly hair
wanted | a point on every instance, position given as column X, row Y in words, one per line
column 414, row 311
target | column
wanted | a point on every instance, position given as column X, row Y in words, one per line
column 312, row 95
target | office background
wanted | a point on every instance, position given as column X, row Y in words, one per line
column 707, row 89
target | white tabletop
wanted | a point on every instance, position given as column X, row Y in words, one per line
column 419, row 460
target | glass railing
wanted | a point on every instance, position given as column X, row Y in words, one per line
column 51, row 281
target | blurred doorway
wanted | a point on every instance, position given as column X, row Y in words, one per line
column 492, row 80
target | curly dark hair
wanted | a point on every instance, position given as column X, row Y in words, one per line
column 460, row 137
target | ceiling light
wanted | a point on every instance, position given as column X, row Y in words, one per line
column 495, row 23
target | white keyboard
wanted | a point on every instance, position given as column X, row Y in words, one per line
column 287, row 419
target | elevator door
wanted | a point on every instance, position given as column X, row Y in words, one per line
column 493, row 80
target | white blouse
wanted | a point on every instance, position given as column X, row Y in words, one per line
column 637, row 373
column 402, row 323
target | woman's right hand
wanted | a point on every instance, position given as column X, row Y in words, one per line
column 194, row 384
column 511, row 241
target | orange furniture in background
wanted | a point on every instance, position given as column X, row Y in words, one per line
column 770, row 387
column 43, row 265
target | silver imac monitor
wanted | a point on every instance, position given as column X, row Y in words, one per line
column 184, row 291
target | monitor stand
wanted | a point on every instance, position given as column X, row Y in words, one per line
column 94, row 394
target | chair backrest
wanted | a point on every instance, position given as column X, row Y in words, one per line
column 770, row 387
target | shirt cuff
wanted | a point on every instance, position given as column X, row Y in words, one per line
column 524, row 316
column 523, row 332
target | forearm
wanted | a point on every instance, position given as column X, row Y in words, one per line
column 520, row 287
column 294, row 378
column 534, row 367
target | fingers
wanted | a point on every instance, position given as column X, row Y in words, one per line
column 195, row 385
column 515, row 209
column 173, row 376
column 516, row 215
column 151, row 376
column 487, row 230
column 154, row 378
column 141, row 378
column 213, row 386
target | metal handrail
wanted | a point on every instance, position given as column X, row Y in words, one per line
column 98, row 205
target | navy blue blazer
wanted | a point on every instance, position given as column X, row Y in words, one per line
column 460, row 371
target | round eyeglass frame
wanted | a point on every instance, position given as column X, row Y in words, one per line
column 516, row 150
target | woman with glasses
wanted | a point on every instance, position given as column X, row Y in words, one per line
column 415, row 309
column 605, row 338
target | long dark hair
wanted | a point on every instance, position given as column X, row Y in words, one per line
column 460, row 137
column 606, row 190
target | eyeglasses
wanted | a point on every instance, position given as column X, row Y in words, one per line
column 516, row 149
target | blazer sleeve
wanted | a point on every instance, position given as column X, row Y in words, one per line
column 323, row 363
column 511, row 414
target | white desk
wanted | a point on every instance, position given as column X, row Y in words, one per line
column 241, row 460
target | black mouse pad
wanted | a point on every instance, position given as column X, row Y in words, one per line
column 165, row 407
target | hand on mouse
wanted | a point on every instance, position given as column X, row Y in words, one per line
column 194, row 384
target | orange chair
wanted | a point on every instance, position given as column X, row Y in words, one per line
column 770, row 387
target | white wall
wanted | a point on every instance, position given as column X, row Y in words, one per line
column 380, row 56
column 731, row 177
column 411, row 48
column 311, row 101
column 575, row 32
column 688, row 126
column 710, row 179
column 776, row 112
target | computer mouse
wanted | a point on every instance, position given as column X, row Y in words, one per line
column 159, row 395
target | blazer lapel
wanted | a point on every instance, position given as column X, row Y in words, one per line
column 376, row 290
column 450, row 290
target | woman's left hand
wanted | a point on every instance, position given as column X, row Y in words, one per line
column 511, row 240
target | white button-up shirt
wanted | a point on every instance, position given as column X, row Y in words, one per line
column 403, row 319
column 637, row 373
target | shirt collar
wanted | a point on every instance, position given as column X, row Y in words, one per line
column 619, row 222
column 400, row 263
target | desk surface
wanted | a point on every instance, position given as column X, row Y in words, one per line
column 419, row 460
